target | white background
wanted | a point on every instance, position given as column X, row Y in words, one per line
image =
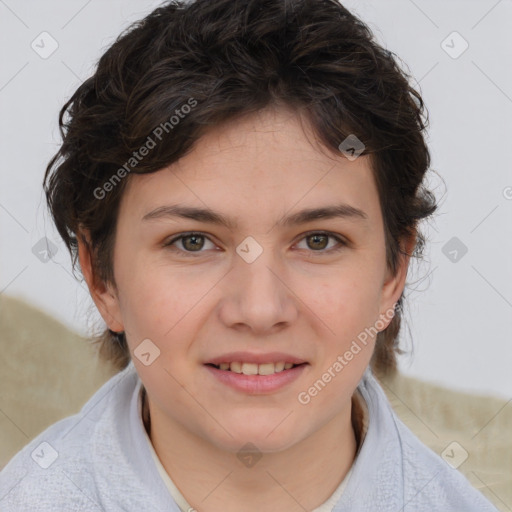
column 459, row 314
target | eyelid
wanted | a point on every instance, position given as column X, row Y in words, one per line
column 342, row 242
column 176, row 238
column 339, row 238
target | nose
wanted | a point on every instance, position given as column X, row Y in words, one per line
column 257, row 297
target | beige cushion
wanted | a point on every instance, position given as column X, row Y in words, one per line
column 46, row 373
column 480, row 425
column 49, row 372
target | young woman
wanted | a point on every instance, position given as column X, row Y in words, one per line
column 241, row 184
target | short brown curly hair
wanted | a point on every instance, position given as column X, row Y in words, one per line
column 235, row 58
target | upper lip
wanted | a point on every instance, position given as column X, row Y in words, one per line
column 248, row 357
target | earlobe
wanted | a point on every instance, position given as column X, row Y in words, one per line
column 102, row 294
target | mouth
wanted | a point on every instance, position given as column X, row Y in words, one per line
column 256, row 373
column 244, row 368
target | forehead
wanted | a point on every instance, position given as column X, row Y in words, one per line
column 264, row 165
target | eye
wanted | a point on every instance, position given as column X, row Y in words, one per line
column 190, row 243
column 319, row 242
column 193, row 243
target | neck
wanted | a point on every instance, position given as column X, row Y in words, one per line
column 222, row 483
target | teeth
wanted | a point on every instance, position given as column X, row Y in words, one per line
column 249, row 369
column 266, row 369
column 236, row 367
column 279, row 367
column 255, row 369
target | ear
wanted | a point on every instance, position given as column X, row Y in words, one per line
column 103, row 295
column 393, row 285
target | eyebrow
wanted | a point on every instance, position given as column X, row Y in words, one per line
column 343, row 210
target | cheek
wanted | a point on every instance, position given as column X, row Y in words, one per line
column 347, row 302
column 345, row 310
column 154, row 297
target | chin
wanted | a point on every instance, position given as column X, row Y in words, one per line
column 266, row 436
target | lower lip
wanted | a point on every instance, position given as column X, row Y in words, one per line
column 257, row 384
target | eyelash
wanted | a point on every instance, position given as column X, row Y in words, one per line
column 193, row 254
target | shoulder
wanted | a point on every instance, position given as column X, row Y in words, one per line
column 43, row 491
column 430, row 481
column 54, row 471
column 427, row 481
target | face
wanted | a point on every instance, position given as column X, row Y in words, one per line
column 268, row 288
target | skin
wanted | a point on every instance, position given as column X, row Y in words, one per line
column 298, row 297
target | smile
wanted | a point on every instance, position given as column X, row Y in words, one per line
column 255, row 369
column 256, row 378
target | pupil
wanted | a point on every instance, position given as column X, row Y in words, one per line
column 324, row 237
column 193, row 237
